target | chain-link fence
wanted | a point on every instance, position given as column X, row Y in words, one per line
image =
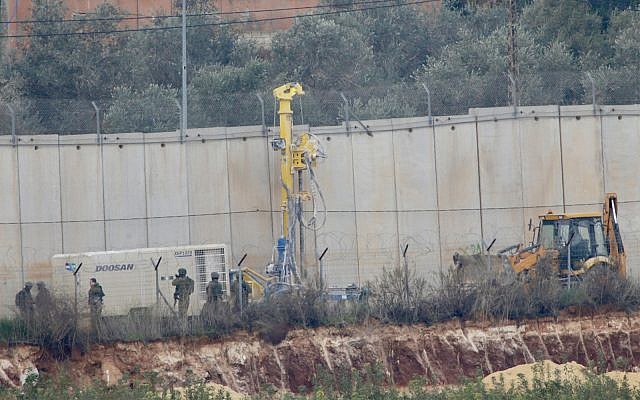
column 162, row 112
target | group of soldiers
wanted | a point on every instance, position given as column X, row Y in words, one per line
column 184, row 287
column 28, row 306
column 41, row 306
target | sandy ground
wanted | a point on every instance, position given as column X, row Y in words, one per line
column 547, row 370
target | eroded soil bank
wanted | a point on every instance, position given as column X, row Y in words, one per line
column 442, row 353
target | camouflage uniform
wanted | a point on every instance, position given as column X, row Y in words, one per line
column 24, row 301
column 214, row 296
column 184, row 287
column 44, row 302
column 214, row 289
column 233, row 289
column 95, row 300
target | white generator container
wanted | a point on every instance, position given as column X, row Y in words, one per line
column 128, row 277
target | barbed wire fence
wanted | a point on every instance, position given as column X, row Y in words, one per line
column 161, row 113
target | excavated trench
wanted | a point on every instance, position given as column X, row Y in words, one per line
column 443, row 353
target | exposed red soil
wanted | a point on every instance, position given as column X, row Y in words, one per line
column 443, row 353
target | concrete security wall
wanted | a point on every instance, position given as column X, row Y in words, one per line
column 453, row 185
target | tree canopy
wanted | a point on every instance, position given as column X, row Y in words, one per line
column 379, row 57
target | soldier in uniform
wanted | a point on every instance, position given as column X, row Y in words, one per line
column 44, row 302
column 214, row 289
column 25, row 302
column 214, row 296
column 233, row 289
column 184, row 287
column 95, row 301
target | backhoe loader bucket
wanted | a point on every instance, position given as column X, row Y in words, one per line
column 477, row 267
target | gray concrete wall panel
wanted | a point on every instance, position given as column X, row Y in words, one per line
column 311, row 253
column 373, row 160
column 197, row 134
column 377, row 243
column 341, row 261
column 541, row 161
column 459, row 232
column 251, row 234
column 10, row 267
column 81, row 180
column 248, row 176
column 621, row 143
column 582, row 156
column 457, row 166
column 629, row 219
column 272, row 166
column 123, row 234
column 40, row 241
column 81, row 237
column 335, row 174
column 419, row 230
column 39, row 181
column 124, row 177
column 210, row 229
column 585, row 208
column 166, row 174
column 208, row 179
column 415, row 169
column 168, row 231
column 505, row 225
column 250, row 131
column 9, row 195
column 500, row 164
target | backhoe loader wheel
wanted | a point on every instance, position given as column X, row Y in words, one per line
column 602, row 284
column 601, row 270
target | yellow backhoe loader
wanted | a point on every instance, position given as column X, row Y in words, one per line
column 574, row 244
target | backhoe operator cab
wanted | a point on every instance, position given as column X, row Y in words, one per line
column 577, row 242
column 581, row 238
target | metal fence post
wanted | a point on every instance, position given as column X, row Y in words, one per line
column 14, row 140
column 95, row 107
column 405, row 263
column 264, row 125
column 346, row 113
column 75, row 301
column 514, row 93
column 181, row 124
column 593, row 92
column 322, row 278
column 424, row 85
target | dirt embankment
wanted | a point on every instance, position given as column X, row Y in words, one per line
column 442, row 353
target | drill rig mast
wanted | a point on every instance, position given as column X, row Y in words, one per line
column 297, row 155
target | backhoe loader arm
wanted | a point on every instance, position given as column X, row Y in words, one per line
column 612, row 232
column 259, row 283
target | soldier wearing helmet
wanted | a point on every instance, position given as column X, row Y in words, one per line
column 24, row 302
column 184, row 287
column 214, row 296
column 95, row 296
column 234, row 278
column 43, row 302
column 214, row 289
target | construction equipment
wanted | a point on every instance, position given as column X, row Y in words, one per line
column 137, row 278
column 573, row 244
column 298, row 154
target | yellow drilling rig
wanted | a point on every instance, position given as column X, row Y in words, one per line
column 299, row 155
